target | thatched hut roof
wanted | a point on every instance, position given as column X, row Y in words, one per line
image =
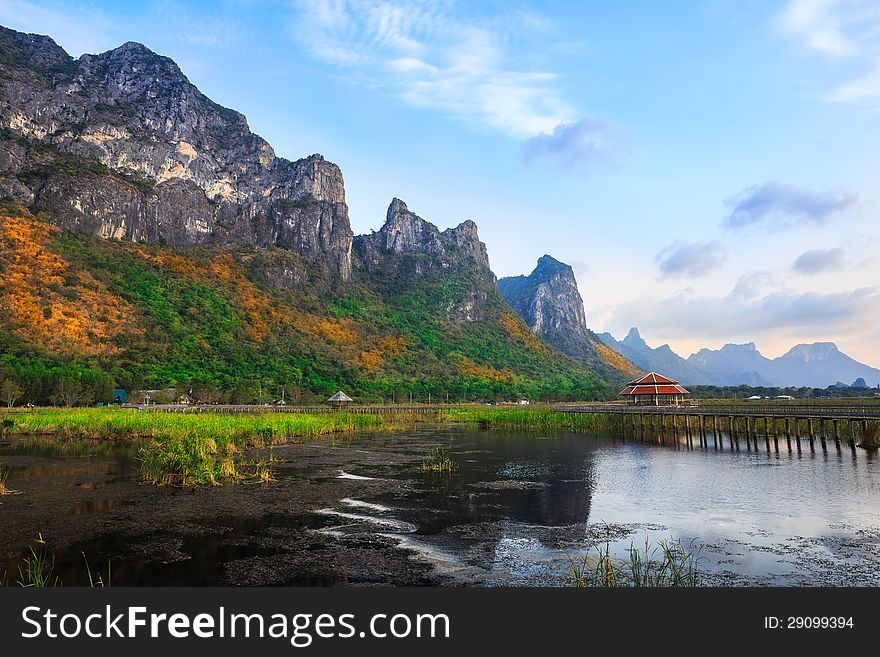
column 340, row 397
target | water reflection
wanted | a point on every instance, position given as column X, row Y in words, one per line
column 513, row 510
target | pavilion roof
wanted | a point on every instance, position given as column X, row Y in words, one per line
column 653, row 384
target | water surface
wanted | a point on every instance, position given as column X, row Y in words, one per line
column 515, row 512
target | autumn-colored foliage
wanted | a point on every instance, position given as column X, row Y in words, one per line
column 519, row 331
column 98, row 314
column 46, row 303
column 468, row 367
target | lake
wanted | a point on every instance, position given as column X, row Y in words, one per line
column 515, row 512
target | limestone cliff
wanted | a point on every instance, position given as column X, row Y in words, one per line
column 122, row 145
column 550, row 303
column 407, row 245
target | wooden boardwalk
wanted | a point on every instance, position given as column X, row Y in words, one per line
column 757, row 423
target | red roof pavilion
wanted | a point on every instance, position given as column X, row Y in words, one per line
column 651, row 387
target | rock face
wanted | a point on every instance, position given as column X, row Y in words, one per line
column 122, row 145
column 548, row 300
column 405, row 232
column 408, row 246
column 550, row 303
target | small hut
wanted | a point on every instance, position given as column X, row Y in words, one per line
column 654, row 389
column 339, row 400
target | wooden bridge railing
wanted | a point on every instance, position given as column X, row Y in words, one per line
column 842, row 411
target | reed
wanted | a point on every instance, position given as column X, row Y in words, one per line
column 870, row 436
column 669, row 564
column 531, row 419
column 4, row 489
column 259, row 428
column 439, row 461
column 37, row 567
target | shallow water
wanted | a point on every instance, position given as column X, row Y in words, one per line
column 515, row 511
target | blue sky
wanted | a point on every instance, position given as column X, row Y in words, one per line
column 710, row 169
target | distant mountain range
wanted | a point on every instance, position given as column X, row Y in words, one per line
column 817, row 365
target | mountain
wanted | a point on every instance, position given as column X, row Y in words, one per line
column 550, row 303
column 661, row 359
column 122, row 145
column 734, row 364
column 148, row 238
column 817, row 365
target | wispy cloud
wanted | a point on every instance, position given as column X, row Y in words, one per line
column 691, row 259
column 818, row 261
column 440, row 54
column 584, row 143
column 778, row 205
column 841, row 29
column 738, row 315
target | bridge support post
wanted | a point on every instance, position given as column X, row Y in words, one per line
column 812, row 435
column 766, row 435
column 837, row 434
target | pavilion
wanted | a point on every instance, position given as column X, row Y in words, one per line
column 654, row 389
column 339, row 400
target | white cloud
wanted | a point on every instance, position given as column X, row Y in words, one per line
column 586, row 142
column 439, row 54
column 818, row 261
column 841, row 29
column 691, row 259
column 747, row 313
column 780, row 205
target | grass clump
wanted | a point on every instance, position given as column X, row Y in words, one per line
column 4, row 489
column 197, row 460
column 38, row 566
column 439, row 461
column 669, row 564
column 36, row 571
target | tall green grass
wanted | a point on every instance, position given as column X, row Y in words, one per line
column 257, row 428
column 183, row 449
column 439, row 461
column 37, row 567
column 530, row 419
column 669, row 564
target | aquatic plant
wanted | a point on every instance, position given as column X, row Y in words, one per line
column 531, row 419
column 669, row 564
column 4, row 490
column 439, row 461
column 870, row 436
column 98, row 580
column 38, row 566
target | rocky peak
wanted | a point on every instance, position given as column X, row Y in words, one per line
column 634, row 339
column 406, row 232
column 811, row 352
column 466, row 240
column 548, row 299
column 122, row 145
column 32, row 51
